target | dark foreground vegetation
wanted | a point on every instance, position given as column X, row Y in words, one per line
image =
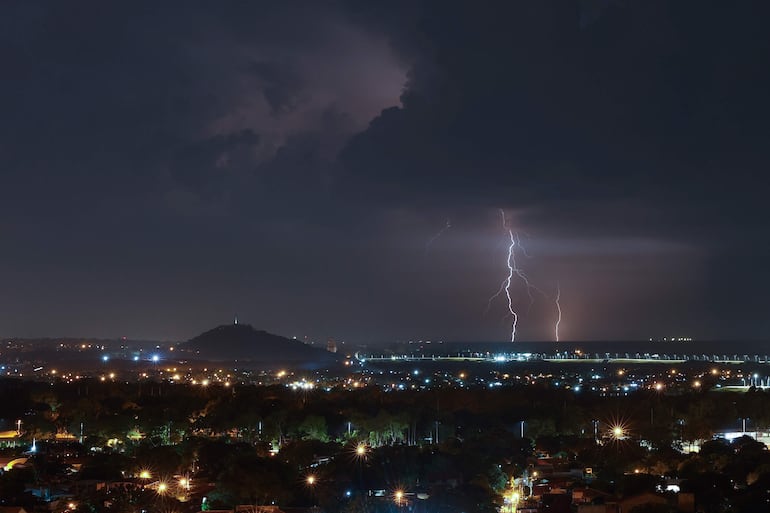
column 120, row 447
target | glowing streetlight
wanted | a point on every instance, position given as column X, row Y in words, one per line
column 361, row 450
column 162, row 487
column 399, row 496
column 310, row 480
column 145, row 474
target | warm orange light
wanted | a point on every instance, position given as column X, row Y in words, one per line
column 311, row 480
column 145, row 474
column 361, row 450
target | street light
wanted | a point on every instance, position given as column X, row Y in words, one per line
column 311, row 480
column 399, row 496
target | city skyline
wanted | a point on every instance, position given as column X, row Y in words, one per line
column 338, row 170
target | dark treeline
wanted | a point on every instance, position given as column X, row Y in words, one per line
column 460, row 447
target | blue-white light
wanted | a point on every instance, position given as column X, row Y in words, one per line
column 105, row 358
column 155, row 358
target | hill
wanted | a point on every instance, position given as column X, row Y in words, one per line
column 243, row 343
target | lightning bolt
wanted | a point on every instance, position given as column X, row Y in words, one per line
column 505, row 286
column 514, row 270
column 523, row 249
column 441, row 232
column 558, row 310
column 511, row 270
column 523, row 277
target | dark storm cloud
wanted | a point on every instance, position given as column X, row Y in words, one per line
column 282, row 85
column 520, row 103
column 178, row 160
column 193, row 167
column 591, row 120
column 100, row 97
column 132, row 134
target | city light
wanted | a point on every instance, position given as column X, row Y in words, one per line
column 618, row 430
column 310, row 480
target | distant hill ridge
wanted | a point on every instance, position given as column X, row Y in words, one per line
column 243, row 342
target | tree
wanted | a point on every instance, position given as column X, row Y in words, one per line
column 314, row 428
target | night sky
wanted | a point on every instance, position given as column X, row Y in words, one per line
column 165, row 165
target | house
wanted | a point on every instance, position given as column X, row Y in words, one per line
column 589, row 496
